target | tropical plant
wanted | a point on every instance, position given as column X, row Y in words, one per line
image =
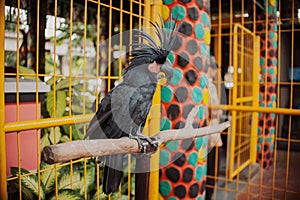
column 60, row 95
column 46, row 187
column 56, row 181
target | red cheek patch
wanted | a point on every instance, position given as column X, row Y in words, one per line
column 154, row 67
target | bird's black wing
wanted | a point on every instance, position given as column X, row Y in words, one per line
column 122, row 111
column 140, row 104
column 103, row 124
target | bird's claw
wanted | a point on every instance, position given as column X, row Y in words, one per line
column 146, row 144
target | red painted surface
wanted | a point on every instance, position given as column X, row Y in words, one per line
column 29, row 140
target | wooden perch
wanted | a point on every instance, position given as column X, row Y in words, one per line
column 93, row 148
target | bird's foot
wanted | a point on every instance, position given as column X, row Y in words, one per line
column 146, row 144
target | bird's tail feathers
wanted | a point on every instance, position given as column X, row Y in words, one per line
column 112, row 173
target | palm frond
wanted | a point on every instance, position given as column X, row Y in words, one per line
column 30, row 182
column 90, row 179
column 48, row 177
column 67, row 194
column 65, row 183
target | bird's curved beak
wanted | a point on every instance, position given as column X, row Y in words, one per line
column 166, row 73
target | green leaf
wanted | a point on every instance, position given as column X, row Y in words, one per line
column 132, row 185
column 64, row 181
column 124, row 197
column 77, row 109
column 79, row 88
column 25, row 70
column 26, row 193
column 76, row 133
column 48, row 177
column 50, row 81
column 61, row 103
column 45, row 141
column 64, row 83
column 55, row 136
column 99, row 194
column 89, row 104
column 124, row 188
column 67, row 194
column 117, row 196
column 66, row 129
column 30, row 182
column 90, row 179
column 65, row 138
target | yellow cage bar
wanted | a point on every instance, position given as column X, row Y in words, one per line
column 86, row 26
column 132, row 14
column 245, row 44
column 3, row 187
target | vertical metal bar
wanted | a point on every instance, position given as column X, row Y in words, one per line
column 234, row 94
column 242, row 78
column 54, row 92
column 109, row 46
column 97, row 181
column 130, row 42
column 121, row 40
column 17, row 66
column 3, row 187
column 291, row 101
column 84, row 55
column 154, row 181
column 84, row 89
column 155, row 122
column 229, row 145
column 147, row 13
column 98, row 52
column 255, row 96
column 18, row 104
column 97, row 93
column 265, row 96
column 37, row 93
column 230, row 32
column 219, row 58
column 240, row 65
column 37, row 114
column 70, row 84
column 120, row 72
column 109, row 63
column 255, row 93
column 154, row 8
column 19, row 164
column 130, row 21
column 278, row 100
column 140, row 14
column 255, row 89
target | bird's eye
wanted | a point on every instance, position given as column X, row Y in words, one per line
column 161, row 75
column 162, row 78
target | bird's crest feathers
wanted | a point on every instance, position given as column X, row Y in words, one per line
column 146, row 50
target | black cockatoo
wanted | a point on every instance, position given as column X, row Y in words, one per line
column 124, row 109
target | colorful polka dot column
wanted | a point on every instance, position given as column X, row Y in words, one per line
column 268, row 78
column 183, row 163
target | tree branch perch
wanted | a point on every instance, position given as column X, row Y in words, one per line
column 93, row 148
